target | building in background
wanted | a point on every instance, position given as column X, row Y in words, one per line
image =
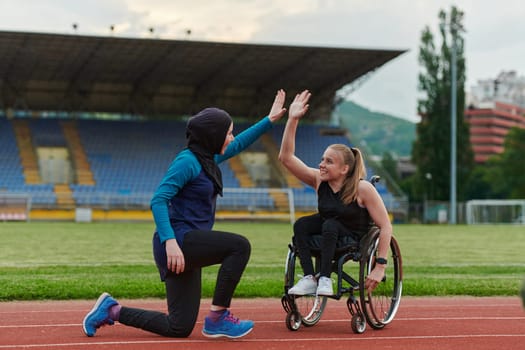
column 494, row 107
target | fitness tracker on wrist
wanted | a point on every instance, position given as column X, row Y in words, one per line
column 381, row 261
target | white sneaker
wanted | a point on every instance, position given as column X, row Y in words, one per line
column 306, row 285
column 325, row 286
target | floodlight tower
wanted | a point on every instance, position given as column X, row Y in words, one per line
column 454, row 30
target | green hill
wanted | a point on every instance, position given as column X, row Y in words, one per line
column 379, row 132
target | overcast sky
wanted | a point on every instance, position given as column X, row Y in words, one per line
column 495, row 37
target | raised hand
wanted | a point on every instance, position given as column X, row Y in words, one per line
column 277, row 110
column 300, row 105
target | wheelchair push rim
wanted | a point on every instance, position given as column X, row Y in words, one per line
column 307, row 309
column 381, row 305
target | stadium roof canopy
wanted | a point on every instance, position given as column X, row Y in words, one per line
column 152, row 77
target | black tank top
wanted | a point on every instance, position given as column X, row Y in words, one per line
column 352, row 216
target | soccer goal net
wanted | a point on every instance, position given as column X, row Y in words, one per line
column 14, row 207
column 493, row 211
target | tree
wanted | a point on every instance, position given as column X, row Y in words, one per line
column 482, row 185
column 431, row 151
column 390, row 165
column 501, row 177
column 512, row 164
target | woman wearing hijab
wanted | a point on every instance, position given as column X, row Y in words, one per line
column 183, row 208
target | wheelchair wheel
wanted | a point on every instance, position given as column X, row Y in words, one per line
column 358, row 323
column 380, row 306
column 293, row 320
column 311, row 308
column 307, row 308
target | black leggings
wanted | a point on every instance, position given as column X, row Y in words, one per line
column 183, row 291
column 330, row 229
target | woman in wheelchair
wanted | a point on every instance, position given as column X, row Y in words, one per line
column 347, row 204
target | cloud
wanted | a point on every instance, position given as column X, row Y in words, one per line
column 493, row 38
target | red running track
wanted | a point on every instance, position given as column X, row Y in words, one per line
column 420, row 324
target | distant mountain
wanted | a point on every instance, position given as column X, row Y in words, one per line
column 379, row 132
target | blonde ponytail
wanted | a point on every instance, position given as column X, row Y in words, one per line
column 357, row 171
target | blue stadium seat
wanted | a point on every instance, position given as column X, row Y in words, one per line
column 47, row 133
column 129, row 158
column 11, row 173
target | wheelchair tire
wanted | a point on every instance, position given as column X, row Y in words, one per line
column 358, row 323
column 293, row 320
column 310, row 308
column 380, row 306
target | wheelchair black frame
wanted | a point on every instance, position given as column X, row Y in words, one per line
column 359, row 253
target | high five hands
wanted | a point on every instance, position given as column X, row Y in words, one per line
column 277, row 110
column 300, row 105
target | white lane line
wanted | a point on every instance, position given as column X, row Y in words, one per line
column 291, row 340
column 397, row 319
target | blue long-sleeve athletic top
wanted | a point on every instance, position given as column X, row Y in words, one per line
column 185, row 199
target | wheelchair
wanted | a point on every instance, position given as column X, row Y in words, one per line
column 377, row 308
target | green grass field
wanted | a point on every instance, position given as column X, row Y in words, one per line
column 43, row 260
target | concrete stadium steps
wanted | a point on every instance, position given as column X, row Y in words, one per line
column 280, row 200
column 28, row 156
column 81, row 165
column 64, row 196
column 240, row 172
column 273, row 153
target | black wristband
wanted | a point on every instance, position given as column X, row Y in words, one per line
column 381, row 261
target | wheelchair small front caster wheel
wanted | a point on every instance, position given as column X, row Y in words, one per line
column 358, row 323
column 293, row 321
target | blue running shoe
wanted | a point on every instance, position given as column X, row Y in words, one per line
column 99, row 314
column 227, row 326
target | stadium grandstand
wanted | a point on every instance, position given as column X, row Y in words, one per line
column 88, row 125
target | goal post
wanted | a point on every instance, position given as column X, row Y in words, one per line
column 495, row 211
column 14, row 207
